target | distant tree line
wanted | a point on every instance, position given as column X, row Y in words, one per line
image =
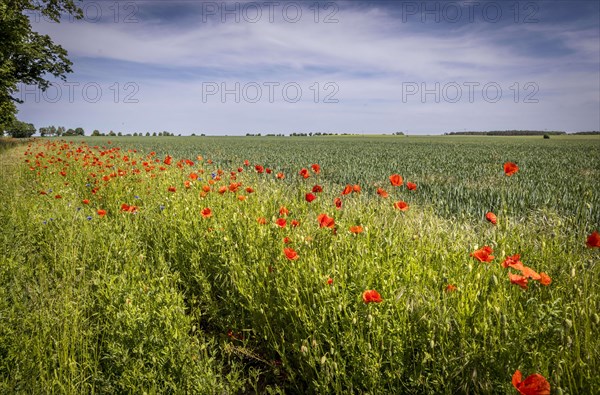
column 508, row 133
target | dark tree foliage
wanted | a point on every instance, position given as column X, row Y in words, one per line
column 27, row 57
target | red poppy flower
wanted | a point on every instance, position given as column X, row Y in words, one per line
column 194, row 176
column 222, row 189
column 261, row 220
column 290, row 254
column 241, row 198
column 206, row 212
column 545, row 279
column 325, row 221
column 101, row 212
column 450, row 288
column 283, row 211
column 127, row 208
column 381, row 192
column 239, row 169
column 249, row 190
column 356, row 188
column 338, row 203
column 535, row 384
column 187, row 184
column 593, row 240
column 513, row 261
column 329, row 280
column 317, row 189
column 294, row 223
column 510, row 168
column 310, row 197
column 530, row 273
column 371, row 296
column 168, row 160
column 356, row 229
column 280, row 176
column 491, row 217
column 304, row 173
column 402, row 206
column 206, row 188
column 259, row 168
column 396, row 180
column 57, row 197
column 316, row 168
column 172, row 189
column 246, row 162
column 347, row 190
column 42, row 192
column 281, row 222
column 269, row 171
column 411, row 186
column 521, row 281
column 85, row 201
column 483, row 254
column 287, row 240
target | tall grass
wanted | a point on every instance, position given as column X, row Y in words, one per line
column 163, row 300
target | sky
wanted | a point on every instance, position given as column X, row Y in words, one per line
column 231, row 68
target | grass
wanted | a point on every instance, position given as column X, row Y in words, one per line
column 166, row 301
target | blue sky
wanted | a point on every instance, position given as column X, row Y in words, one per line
column 421, row 67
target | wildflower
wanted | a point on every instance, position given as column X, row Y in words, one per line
column 491, row 217
column 483, row 254
column 259, row 168
column 401, row 205
column 530, row 273
column 396, row 180
column 338, row 203
column 281, row 222
column 450, row 288
column 356, row 229
column 381, row 192
column 206, row 212
column 290, row 254
column 510, row 168
column 370, row 296
column 347, row 189
column 168, row 160
column 521, row 281
column 261, row 220
column 85, row 201
column 513, row 261
column 545, row 279
column 280, row 176
column 304, row 173
column 101, row 213
column 310, row 197
column 172, row 189
column 593, row 240
column 283, row 211
column 316, row 168
column 329, row 281
column 317, row 189
column 249, row 190
column 325, row 221
column 535, row 384
column 294, row 223
column 411, row 186
column 356, row 188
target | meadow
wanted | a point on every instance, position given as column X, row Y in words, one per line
column 280, row 265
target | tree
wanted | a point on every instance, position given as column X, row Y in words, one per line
column 96, row 133
column 60, row 131
column 70, row 132
column 27, row 57
column 18, row 129
column 79, row 132
column 147, row 134
column 112, row 134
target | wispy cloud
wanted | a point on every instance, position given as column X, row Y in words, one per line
column 358, row 74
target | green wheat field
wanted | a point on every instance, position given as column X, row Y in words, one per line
column 234, row 265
